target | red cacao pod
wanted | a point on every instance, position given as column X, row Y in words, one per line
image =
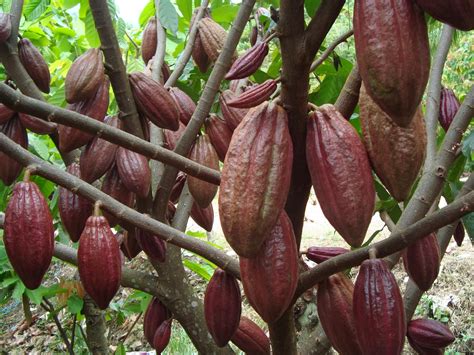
column 250, row 338
column 222, row 306
column 29, row 233
column 421, row 260
column 199, row 54
column 379, row 316
column 392, row 49
column 34, row 64
column 134, row 171
column 212, row 37
column 239, row 86
column 219, row 134
column 155, row 314
column 253, row 36
column 429, row 333
column 85, row 76
column 129, row 245
column 99, row 261
column 255, row 95
column 232, row 115
column 204, row 217
column 5, row 114
column 459, row 234
column 161, row 338
column 425, row 351
column 273, row 271
column 145, row 124
column 153, row 246
column 73, row 209
column 456, row 13
column 37, row 125
column 249, row 62
column 172, row 137
column 448, row 106
column 336, row 315
column 149, row 40
column 5, row 27
column 178, row 187
column 256, row 178
column 10, row 169
column 184, row 104
column 321, row 254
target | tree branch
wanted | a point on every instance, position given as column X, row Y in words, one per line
column 160, row 52
column 48, row 307
column 349, row 96
column 330, row 49
column 95, row 327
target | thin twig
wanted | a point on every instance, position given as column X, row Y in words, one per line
column 160, row 52
column 137, row 49
column 330, row 49
column 132, row 326
column 48, row 306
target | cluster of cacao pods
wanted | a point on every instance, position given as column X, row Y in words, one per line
column 157, row 325
column 428, row 336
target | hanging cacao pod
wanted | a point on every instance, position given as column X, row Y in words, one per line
column 134, row 171
column 456, row 13
column 37, row 125
column 5, row 27
column 212, row 37
column 153, row 246
column 459, row 234
column 253, row 36
column 256, row 178
column 129, row 245
column 273, row 271
column 199, row 54
column 340, row 173
column 396, row 153
column 429, row 333
column 5, row 114
column 28, row 233
column 249, row 62
column 85, row 76
column 448, row 106
column 321, row 254
column 162, row 336
column 219, row 134
column 379, row 316
column 165, row 70
column 232, row 115
column 156, row 313
column 10, row 169
column 222, row 306
column 99, row 261
column 203, row 153
column 178, row 187
column 149, row 40
column 255, row 95
column 73, row 209
column 335, row 313
column 184, row 104
column 171, row 137
column 421, row 260
column 34, row 64
column 250, row 338
column 204, row 217
column 392, row 49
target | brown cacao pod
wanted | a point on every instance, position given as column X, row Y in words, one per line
column 153, row 246
column 5, row 114
column 134, row 171
column 222, row 306
column 392, row 50
column 256, row 178
column 199, row 54
column 273, row 271
column 85, row 76
column 379, row 316
column 204, row 217
column 161, row 338
column 34, row 64
column 456, row 13
column 425, row 351
column 184, row 104
column 99, row 154
column 249, row 62
column 232, row 115
column 448, row 106
column 172, row 137
column 28, row 233
column 212, row 37
column 459, row 234
column 340, row 173
column 37, row 125
column 149, row 40
column 396, row 153
column 250, row 338
column 429, row 333
column 255, row 95
column 239, row 86
column 129, row 245
column 335, row 313
column 165, row 70
column 155, row 314
column 421, row 261
column 5, row 27
column 203, row 153
column 73, row 209
column 219, row 134
column 253, row 36
column 321, row 254
column 178, row 187
column 10, row 169
column 154, row 101
column 99, row 261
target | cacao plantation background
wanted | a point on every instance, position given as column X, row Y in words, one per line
column 304, row 190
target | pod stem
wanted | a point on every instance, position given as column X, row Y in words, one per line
column 97, row 206
column 373, row 253
column 28, row 171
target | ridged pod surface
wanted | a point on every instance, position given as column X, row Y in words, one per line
column 232, row 115
column 85, row 76
column 448, row 106
column 219, row 133
column 253, row 36
column 334, row 300
column 5, row 27
column 459, row 234
column 134, row 171
column 340, row 173
column 250, row 338
column 457, row 13
column 73, row 209
column 321, row 254
column 248, row 62
column 28, row 233
column 203, row 153
column 270, row 278
column 5, row 114
column 172, row 137
column 212, row 37
column 99, row 261
column 156, row 313
column 34, row 64
column 154, row 101
column 222, row 306
column 396, row 153
column 184, row 104
column 37, row 125
column 161, row 338
column 240, row 85
column 255, row 95
column 429, row 333
column 149, row 40
column 379, row 316
column 198, row 53
column 421, row 261
column 153, row 246
column 392, row 49
column 204, row 217
column 178, row 187
column 10, row 169
column 129, row 245
column 256, row 178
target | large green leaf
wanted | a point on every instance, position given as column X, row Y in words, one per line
column 186, row 8
column 147, row 12
column 35, row 8
column 311, row 6
column 91, row 33
column 225, row 13
column 168, row 16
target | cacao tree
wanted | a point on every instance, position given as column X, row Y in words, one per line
column 252, row 105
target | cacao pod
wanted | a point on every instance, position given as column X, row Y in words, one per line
column 212, row 37
column 219, row 134
column 85, row 76
column 199, row 54
column 232, row 115
column 203, row 153
column 73, row 209
column 459, row 234
column 5, row 27
column 396, row 153
column 165, row 70
column 273, row 271
column 456, row 13
column 321, row 254
column 421, row 260
column 379, row 316
column 129, row 245
column 255, row 95
column 34, row 64
column 5, row 114
column 145, row 124
column 204, row 217
column 239, row 86
column 429, row 333
column 149, row 40
column 335, row 313
column 171, row 137
column 28, row 233
column 10, row 169
column 153, row 246
column 99, row 261
column 184, row 104
column 37, row 125
column 392, row 49
column 154, row 101
column 250, row 338
column 260, row 147
column 155, row 314
column 249, row 62
column 177, row 187
column 222, row 306
column 253, row 36
column 162, row 336
column 134, row 171
column 448, row 106
column 340, row 173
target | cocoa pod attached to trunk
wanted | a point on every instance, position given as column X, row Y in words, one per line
column 448, row 106
column 222, row 306
column 134, row 171
column 153, row 246
column 204, row 217
column 171, row 137
column 459, row 234
column 232, row 115
column 129, row 245
column 249, row 62
column 156, row 313
column 5, row 27
column 421, row 261
column 250, row 338
column 85, row 76
column 396, row 153
column 429, row 334
column 321, row 254
column 392, row 49
column 456, row 13
column 335, row 313
column 203, row 153
column 255, row 95
column 10, row 169
column 28, row 233
column 379, row 316
column 161, row 338
column 99, row 261
column 73, row 209
column 270, row 277
column 212, row 37
column 34, row 64
column 340, row 172
column 37, row 125
column 5, row 114
column 178, row 187
column 149, row 40
column 219, row 134
column 184, row 104
column 256, row 178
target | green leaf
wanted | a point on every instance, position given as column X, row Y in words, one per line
column 120, row 350
column 91, row 33
column 311, row 6
column 186, row 8
column 74, row 304
column 35, row 8
column 147, row 12
column 112, row 9
column 39, row 145
column 468, row 144
column 67, row 4
column 35, row 296
column 225, row 13
column 18, row 291
column 197, row 268
column 468, row 222
column 168, row 16
column 6, row 5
